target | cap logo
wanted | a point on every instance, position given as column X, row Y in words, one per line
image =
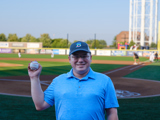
column 78, row 44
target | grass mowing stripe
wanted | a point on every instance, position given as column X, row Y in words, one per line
column 56, row 69
column 22, row 108
column 104, row 67
column 139, row 109
column 48, row 56
column 117, row 58
column 21, row 72
column 14, row 107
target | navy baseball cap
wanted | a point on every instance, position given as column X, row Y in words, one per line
column 79, row 46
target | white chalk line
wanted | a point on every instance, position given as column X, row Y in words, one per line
column 15, row 95
column 141, row 96
column 135, row 67
column 141, row 79
column 118, row 69
column 123, row 68
column 43, row 82
column 147, row 61
column 15, row 80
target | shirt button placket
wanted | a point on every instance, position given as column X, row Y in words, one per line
column 79, row 87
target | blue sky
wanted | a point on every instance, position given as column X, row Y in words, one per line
column 81, row 19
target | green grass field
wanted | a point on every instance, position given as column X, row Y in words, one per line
column 13, row 107
column 150, row 72
column 118, row 58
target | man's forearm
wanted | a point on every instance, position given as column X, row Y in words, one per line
column 112, row 117
column 112, row 114
column 37, row 93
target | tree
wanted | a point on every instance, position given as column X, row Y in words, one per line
column 89, row 42
column 12, row 38
column 114, row 43
column 64, row 43
column 33, row 39
column 60, row 43
column 56, row 43
column 132, row 43
column 153, row 45
column 19, row 39
column 102, row 44
column 46, row 40
column 28, row 38
column 2, row 37
column 96, row 43
column 75, row 41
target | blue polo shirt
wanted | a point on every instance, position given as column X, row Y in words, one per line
column 81, row 99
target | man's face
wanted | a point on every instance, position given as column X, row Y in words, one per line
column 80, row 61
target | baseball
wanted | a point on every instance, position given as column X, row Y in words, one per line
column 34, row 65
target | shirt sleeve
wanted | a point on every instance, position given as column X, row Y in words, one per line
column 110, row 95
column 49, row 94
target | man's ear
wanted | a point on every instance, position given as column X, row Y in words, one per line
column 91, row 58
column 69, row 58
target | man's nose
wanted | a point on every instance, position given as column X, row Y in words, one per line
column 80, row 59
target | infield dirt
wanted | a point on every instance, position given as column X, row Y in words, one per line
column 20, row 85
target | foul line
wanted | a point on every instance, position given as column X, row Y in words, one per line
column 135, row 67
column 141, row 79
column 118, row 69
column 15, row 80
column 15, row 95
column 42, row 82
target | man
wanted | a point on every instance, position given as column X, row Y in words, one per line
column 136, row 57
column 156, row 56
column 19, row 53
column 151, row 57
column 80, row 94
column 52, row 54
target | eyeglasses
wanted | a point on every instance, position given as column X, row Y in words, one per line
column 76, row 57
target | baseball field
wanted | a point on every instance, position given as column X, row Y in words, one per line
column 137, row 86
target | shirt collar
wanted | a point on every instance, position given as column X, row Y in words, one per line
column 90, row 75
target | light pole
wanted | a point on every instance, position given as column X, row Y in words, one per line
column 67, row 40
column 124, row 38
column 95, row 41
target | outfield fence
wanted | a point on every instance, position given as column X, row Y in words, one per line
column 60, row 51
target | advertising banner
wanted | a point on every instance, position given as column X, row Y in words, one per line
column 118, row 53
column 3, row 50
column 32, row 45
column 56, row 51
column 146, row 53
column 17, row 50
column 104, row 52
column 42, row 51
column 93, row 52
column 67, row 51
column 130, row 53
column 17, row 45
column 32, row 51
column 62, row 51
column 4, row 44
column 48, row 51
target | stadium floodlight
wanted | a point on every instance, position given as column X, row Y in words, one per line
column 143, row 22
